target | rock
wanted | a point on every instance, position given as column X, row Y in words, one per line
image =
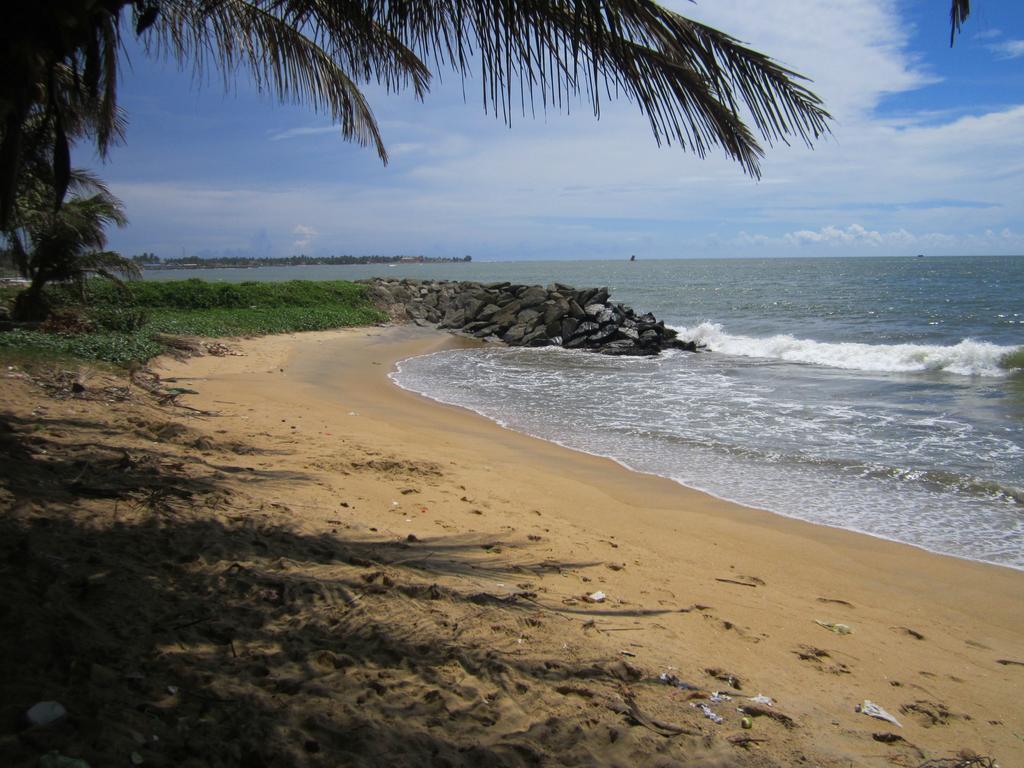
column 536, row 338
column 649, row 336
column 624, row 347
column 57, row 760
column 515, row 334
column 586, row 328
column 630, row 333
column 528, row 316
column 44, row 713
column 555, row 309
column 569, row 326
column 486, row 331
column 533, row 296
column 454, row 318
column 489, row 311
column 604, row 334
column 508, row 313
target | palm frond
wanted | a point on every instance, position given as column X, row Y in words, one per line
column 690, row 80
column 959, row 10
column 303, row 52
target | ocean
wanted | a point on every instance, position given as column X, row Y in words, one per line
column 861, row 393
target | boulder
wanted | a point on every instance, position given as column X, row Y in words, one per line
column 569, row 326
column 585, row 329
column 515, row 334
column 555, row 309
column 604, row 334
column 487, row 330
column 528, row 317
column 533, row 296
column 624, row 348
column 488, row 311
column 536, row 338
column 527, row 314
column 454, row 318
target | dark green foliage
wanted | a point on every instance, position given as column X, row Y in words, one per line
column 199, row 294
column 121, row 348
column 123, row 321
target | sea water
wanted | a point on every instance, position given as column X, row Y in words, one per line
column 864, row 393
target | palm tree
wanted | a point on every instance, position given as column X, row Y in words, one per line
column 66, row 244
column 691, row 81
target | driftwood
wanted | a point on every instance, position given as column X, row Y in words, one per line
column 660, row 727
column 758, row 710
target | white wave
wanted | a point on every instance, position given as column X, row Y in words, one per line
column 968, row 358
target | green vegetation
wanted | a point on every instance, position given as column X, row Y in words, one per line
column 1013, row 361
column 121, row 324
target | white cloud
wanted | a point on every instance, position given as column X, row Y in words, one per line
column 305, row 236
column 311, row 130
column 1008, row 49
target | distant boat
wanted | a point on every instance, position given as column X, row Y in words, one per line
column 920, row 255
column 633, row 257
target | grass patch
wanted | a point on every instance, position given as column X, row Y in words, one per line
column 112, row 347
column 122, row 324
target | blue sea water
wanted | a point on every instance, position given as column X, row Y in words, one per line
column 860, row 393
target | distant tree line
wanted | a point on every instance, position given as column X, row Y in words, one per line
column 153, row 261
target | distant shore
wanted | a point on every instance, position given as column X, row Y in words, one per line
column 293, row 261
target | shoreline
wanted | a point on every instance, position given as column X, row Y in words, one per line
column 684, row 543
column 690, row 487
column 350, row 571
column 314, row 371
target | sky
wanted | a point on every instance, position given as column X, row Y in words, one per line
column 926, row 155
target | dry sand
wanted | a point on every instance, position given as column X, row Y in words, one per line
column 316, row 567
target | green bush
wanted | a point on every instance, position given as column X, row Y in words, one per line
column 121, row 348
column 125, row 319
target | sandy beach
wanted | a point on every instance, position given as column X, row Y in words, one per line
column 343, row 572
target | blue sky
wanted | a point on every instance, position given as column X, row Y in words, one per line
column 927, row 155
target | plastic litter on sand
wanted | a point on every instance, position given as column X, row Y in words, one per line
column 709, row 713
column 871, row 709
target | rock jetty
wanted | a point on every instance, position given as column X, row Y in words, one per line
column 527, row 315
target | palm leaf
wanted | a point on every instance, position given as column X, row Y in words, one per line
column 959, row 10
column 689, row 79
column 302, row 52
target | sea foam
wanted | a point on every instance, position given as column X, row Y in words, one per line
column 967, row 358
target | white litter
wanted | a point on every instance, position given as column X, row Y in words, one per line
column 596, row 597
column 709, row 713
column 762, row 699
column 871, row 709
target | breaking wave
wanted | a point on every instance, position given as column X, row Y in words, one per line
column 967, row 358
